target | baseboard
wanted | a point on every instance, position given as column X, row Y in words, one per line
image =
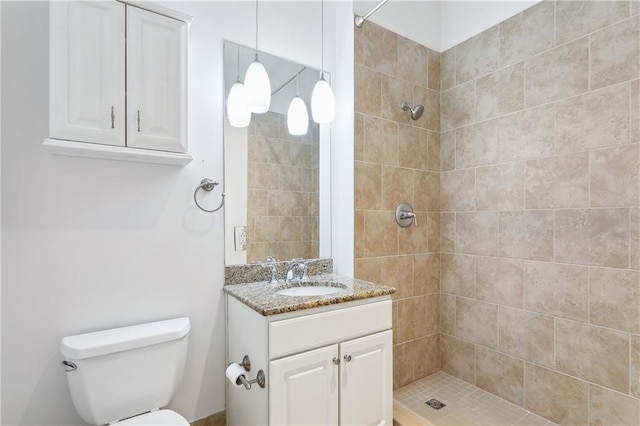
column 215, row 419
column 401, row 416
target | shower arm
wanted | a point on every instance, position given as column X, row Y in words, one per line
column 360, row 19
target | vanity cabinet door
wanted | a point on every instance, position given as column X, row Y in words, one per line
column 366, row 380
column 156, row 81
column 303, row 388
column 87, row 72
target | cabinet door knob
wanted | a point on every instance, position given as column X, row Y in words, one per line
column 336, row 361
column 347, row 358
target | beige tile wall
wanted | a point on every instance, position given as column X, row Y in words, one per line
column 398, row 160
column 282, row 219
column 540, row 194
column 526, row 178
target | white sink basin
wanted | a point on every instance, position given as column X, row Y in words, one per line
column 311, row 290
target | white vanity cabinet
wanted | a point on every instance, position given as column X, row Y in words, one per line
column 330, row 365
column 309, row 387
column 303, row 388
column 118, row 81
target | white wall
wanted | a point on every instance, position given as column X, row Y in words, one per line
column 441, row 25
column 342, row 147
column 236, row 152
column 0, row 208
column 461, row 20
column 90, row 244
column 416, row 20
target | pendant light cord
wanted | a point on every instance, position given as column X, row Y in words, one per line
column 238, row 74
column 256, row 30
column 322, row 39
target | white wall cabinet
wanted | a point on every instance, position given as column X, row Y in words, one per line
column 156, row 81
column 116, row 97
column 331, row 365
column 87, row 72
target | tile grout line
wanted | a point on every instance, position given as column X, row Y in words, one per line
column 630, row 337
column 630, row 232
column 589, row 322
column 555, row 348
column 589, row 63
column 589, row 401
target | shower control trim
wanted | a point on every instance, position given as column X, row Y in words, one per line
column 405, row 215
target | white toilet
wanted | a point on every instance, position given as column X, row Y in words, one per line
column 125, row 375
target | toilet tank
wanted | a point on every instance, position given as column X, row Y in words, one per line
column 123, row 372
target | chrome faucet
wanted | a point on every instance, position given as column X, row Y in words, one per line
column 301, row 266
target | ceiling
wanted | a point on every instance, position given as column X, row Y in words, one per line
column 443, row 24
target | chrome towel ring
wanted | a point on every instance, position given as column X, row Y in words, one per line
column 207, row 185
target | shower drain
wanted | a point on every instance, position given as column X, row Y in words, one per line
column 435, row 404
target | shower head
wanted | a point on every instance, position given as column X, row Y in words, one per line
column 416, row 111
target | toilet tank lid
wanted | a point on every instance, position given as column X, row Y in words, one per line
column 104, row 342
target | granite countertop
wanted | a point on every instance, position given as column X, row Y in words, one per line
column 262, row 296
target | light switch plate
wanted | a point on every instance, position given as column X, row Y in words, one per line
column 240, row 233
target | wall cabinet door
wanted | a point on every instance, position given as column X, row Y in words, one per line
column 366, row 380
column 87, row 72
column 156, row 81
column 303, row 389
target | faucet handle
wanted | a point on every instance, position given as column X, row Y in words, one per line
column 270, row 259
column 272, row 267
column 304, row 267
column 415, row 218
column 405, row 215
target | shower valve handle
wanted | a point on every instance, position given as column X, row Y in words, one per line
column 405, row 215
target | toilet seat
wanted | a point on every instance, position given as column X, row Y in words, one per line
column 156, row 418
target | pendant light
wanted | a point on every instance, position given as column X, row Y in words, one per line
column 256, row 82
column 323, row 104
column 297, row 115
column 237, row 110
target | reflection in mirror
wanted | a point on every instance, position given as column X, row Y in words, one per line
column 273, row 180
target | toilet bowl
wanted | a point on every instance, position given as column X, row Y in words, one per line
column 126, row 375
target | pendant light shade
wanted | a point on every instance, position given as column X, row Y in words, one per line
column 297, row 117
column 256, row 82
column 237, row 109
column 257, row 88
column 323, row 104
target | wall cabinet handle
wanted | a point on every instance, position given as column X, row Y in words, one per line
column 336, row 361
column 138, row 120
column 347, row 358
column 113, row 117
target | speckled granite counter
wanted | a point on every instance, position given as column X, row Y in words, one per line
column 254, row 272
column 262, row 296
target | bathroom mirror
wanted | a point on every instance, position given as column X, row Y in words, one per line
column 276, row 184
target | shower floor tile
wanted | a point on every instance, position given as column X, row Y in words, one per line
column 465, row 405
